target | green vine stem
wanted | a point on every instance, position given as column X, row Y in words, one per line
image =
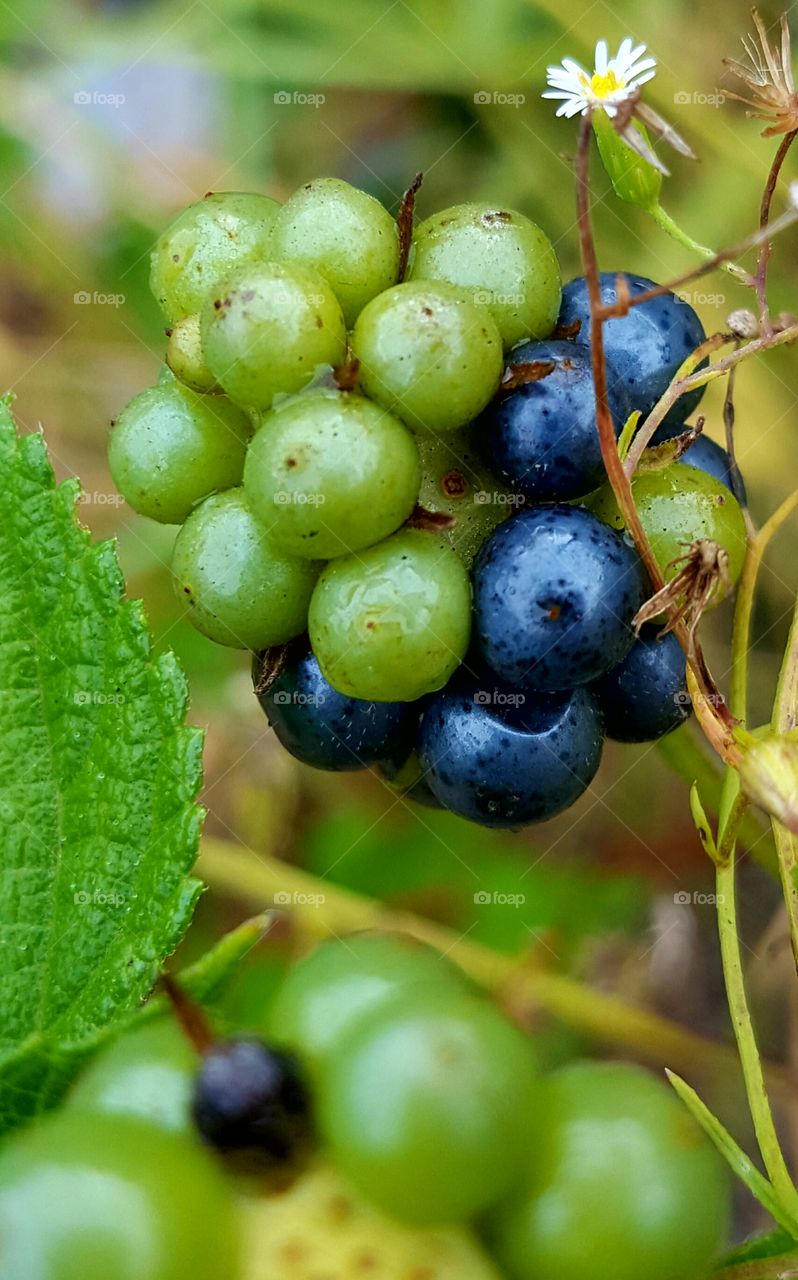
column 666, row 223
column 782, row 1268
column 731, row 810
column 323, row 910
column 785, row 717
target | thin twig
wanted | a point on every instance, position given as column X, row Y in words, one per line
column 764, row 218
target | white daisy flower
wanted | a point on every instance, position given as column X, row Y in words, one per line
column 612, row 82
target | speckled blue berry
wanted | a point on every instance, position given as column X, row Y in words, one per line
column 708, row 456
column 646, row 346
column 327, row 729
column 543, row 437
column 555, row 592
column 504, row 758
column 645, row 696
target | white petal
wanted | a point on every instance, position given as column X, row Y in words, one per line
column 563, row 78
column 575, row 68
column 644, row 79
column 560, row 93
column 624, row 49
column 570, row 109
column 601, row 57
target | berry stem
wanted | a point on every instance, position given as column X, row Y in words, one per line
column 666, row 223
column 761, row 277
column 718, row 723
column 785, row 718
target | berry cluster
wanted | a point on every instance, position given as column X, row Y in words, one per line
column 430, row 1116
column 385, row 451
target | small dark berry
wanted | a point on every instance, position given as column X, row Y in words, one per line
column 250, row 1097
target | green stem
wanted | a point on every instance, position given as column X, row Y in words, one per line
column 785, row 712
column 322, row 910
column 784, row 1267
column 666, row 223
column 753, row 1074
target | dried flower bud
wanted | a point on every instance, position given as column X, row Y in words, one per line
column 769, row 777
column 743, row 323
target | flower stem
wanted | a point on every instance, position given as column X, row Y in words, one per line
column 666, row 223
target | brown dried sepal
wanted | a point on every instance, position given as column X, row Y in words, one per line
column 430, row 521
column 267, row 666
column 658, row 456
column 518, row 375
column 702, row 571
column 345, row 376
column 404, row 221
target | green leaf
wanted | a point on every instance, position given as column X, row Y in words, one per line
column 99, row 825
column 774, row 1245
column 740, row 1163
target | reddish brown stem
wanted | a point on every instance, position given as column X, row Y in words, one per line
column 761, row 277
column 723, row 723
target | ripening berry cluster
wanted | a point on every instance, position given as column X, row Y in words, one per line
column 402, row 477
column 394, row 1124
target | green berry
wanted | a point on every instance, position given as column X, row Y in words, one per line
column 147, row 1072
column 185, row 357
column 392, row 623
column 241, row 589
column 170, row 447
column 677, row 505
column 344, row 981
column 621, row 1184
column 268, row 330
column 109, row 1198
column 428, row 354
column 427, row 1104
column 204, row 244
column 456, row 483
column 329, row 473
column 344, row 234
column 502, row 258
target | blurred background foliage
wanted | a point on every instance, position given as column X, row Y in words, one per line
column 113, row 115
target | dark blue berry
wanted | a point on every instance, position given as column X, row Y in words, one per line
column 555, row 592
column 504, row 758
column 250, row 1097
column 710, row 457
column 328, row 729
column 646, row 346
column 543, row 437
column 645, row 696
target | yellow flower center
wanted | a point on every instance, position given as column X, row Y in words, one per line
column 603, row 86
